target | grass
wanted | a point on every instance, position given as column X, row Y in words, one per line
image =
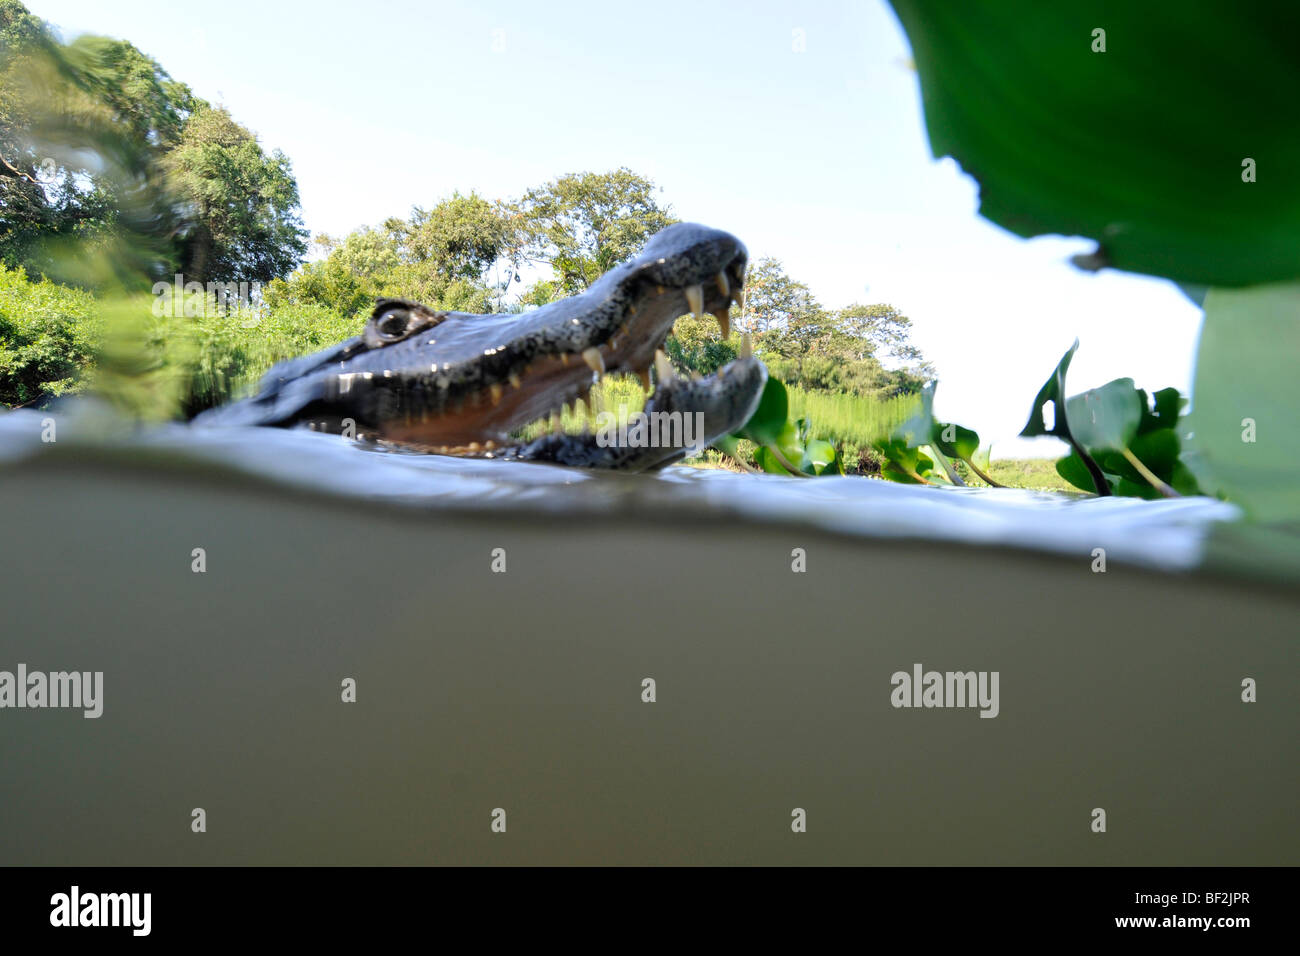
column 850, row 419
column 853, row 419
column 1037, row 473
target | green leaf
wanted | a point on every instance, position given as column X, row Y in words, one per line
column 1158, row 450
column 1140, row 147
column 1183, row 481
column 729, row 445
column 765, row 460
column 1106, row 418
column 902, row 460
column 818, row 456
column 915, row 431
column 1073, row 470
column 1127, row 488
column 1053, row 391
column 954, row 440
column 766, row 425
column 1245, row 424
column 1168, row 406
column 836, row 467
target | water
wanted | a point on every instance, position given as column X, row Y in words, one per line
column 1166, row 535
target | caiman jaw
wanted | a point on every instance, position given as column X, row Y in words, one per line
column 550, row 383
column 461, row 383
column 557, row 367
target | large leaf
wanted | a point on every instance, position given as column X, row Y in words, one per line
column 954, row 440
column 1073, row 470
column 1247, row 387
column 916, row 430
column 821, row 457
column 1053, row 391
column 770, row 418
column 1158, row 450
column 1106, row 418
column 1168, row 405
column 903, row 462
column 1140, row 147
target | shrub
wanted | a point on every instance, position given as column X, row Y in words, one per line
column 49, row 338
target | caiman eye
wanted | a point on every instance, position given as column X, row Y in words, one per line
column 392, row 324
column 395, row 320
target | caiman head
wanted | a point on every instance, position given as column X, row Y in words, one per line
column 457, row 383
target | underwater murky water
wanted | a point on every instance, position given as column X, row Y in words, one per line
column 1167, row 535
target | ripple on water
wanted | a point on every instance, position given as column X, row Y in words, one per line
column 1162, row 534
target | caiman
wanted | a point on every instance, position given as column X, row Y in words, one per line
column 458, row 384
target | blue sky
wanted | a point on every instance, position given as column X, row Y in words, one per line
column 818, row 157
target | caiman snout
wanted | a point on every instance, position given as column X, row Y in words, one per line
column 456, row 381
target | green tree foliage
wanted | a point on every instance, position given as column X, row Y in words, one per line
column 439, row 256
column 697, row 345
column 773, row 300
column 74, row 153
column 584, row 224
column 244, row 203
column 805, row 344
column 460, row 237
column 48, row 338
column 113, row 172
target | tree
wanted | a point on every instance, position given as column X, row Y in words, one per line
column 696, row 345
column 461, row 237
column 244, row 204
column 439, row 257
column 884, row 327
column 74, row 147
column 775, row 301
column 837, row 350
column 146, row 176
column 584, row 224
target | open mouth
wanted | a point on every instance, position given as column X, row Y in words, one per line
column 458, row 383
column 550, row 358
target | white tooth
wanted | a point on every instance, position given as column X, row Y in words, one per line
column 695, row 299
column 746, row 346
column 723, row 285
column 592, row 357
column 663, row 367
column 724, row 320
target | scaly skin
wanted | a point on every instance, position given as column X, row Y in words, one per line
column 454, row 383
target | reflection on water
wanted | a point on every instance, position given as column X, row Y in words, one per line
column 1160, row 534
